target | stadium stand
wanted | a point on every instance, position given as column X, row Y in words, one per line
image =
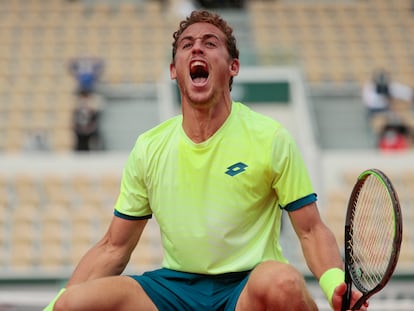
column 50, row 216
column 338, row 41
column 39, row 39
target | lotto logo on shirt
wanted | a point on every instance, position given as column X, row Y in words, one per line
column 236, row 169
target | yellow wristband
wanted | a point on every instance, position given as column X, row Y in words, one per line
column 52, row 303
column 329, row 280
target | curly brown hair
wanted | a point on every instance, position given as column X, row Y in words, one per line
column 203, row 16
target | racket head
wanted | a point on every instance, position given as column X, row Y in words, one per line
column 373, row 233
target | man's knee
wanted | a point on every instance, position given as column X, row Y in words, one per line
column 274, row 278
column 277, row 284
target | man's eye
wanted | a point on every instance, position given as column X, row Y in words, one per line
column 210, row 44
column 187, row 45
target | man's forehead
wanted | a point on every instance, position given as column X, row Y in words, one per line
column 200, row 30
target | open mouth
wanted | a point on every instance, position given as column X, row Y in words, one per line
column 198, row 71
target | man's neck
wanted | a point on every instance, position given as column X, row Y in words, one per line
column 201, row 124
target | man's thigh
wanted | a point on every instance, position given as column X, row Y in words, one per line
column 119, row 293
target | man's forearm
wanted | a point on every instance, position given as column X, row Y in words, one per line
column 99, row 261
column 321, row 251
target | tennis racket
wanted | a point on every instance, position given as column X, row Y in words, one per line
column 373, row 234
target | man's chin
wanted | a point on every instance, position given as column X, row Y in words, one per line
column 200, row 100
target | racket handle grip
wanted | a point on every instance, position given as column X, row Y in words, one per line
column 346, row 299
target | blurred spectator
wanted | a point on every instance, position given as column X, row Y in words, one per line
column 87, row 71
column 394, row 136
column 376, row 93
column 86, row 122
column 379, row 93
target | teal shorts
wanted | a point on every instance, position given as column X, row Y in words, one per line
column 174, row 290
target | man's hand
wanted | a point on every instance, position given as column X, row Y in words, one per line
column 337, row 298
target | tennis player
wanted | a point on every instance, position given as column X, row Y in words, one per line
column 217, row 179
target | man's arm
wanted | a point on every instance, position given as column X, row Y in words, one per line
column 318, row 243
column 321, row 251
column 112, row 253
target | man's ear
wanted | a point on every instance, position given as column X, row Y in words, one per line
column 235, row 67
column 173, row 73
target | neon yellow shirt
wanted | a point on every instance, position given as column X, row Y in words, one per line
column 218, row 203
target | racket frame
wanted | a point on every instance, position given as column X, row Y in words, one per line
column 350, row 278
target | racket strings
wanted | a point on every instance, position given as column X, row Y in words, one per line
column 372, row 233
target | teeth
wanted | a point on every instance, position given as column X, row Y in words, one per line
column 197, row 63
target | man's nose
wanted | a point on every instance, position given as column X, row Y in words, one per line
column 197, row 47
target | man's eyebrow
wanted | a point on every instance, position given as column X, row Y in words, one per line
column 204, row 37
